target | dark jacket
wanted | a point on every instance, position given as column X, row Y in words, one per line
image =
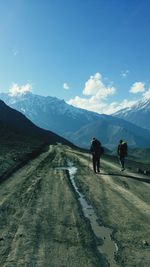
column 122, row 149
column 96, row 148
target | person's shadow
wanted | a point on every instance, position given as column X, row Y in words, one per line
column 145, row 180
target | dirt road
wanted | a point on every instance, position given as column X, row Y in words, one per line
column 42, row 223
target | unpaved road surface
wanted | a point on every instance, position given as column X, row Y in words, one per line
column 42, row 223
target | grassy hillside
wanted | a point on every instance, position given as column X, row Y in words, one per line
column 16, row 149
column 132, row 162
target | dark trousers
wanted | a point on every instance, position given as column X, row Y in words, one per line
column 122, row 159
column 96, row 163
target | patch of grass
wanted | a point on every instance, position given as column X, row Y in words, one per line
column 16, row 150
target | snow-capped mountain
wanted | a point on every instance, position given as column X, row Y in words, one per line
column 138, row 114
column 75, row 124
column 50, row 112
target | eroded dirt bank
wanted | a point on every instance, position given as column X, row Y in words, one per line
column 41, row 223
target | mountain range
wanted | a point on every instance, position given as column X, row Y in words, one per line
column 75, row 124
column 138, row 114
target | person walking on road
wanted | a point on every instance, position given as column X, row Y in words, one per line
column 122, row 153
column 96, row 150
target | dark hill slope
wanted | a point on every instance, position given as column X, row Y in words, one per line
column 21, row 140
column 16, row 123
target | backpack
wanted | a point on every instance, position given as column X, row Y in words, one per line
column 124, row 148
column 96, row 148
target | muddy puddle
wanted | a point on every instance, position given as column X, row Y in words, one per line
column 103, row 234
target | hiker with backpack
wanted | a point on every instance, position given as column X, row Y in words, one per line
column 96, row 150
column 122, row 153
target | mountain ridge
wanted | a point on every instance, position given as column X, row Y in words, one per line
column 75, row 124
column 138, row 113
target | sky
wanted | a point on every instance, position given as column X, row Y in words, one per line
column 94, row 54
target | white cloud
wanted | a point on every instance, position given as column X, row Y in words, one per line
column 115, row 106
column 95, row 87
column 125, row 73
column 20, row 90
column 137, row 87
column 66, row 86
column 147, row 94
column 93, row 104
column 90, row 104
column 96, row 92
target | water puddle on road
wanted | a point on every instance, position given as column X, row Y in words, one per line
column 109, row 247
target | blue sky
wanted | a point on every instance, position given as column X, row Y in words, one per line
column 92, row 53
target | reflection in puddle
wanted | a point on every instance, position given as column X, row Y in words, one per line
column 109, row 247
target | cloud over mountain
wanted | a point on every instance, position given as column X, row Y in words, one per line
column 20, row 90
column 97, row 95
column 137, row 87
column 95, row 87
column 95, row 92
column 147, row 94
